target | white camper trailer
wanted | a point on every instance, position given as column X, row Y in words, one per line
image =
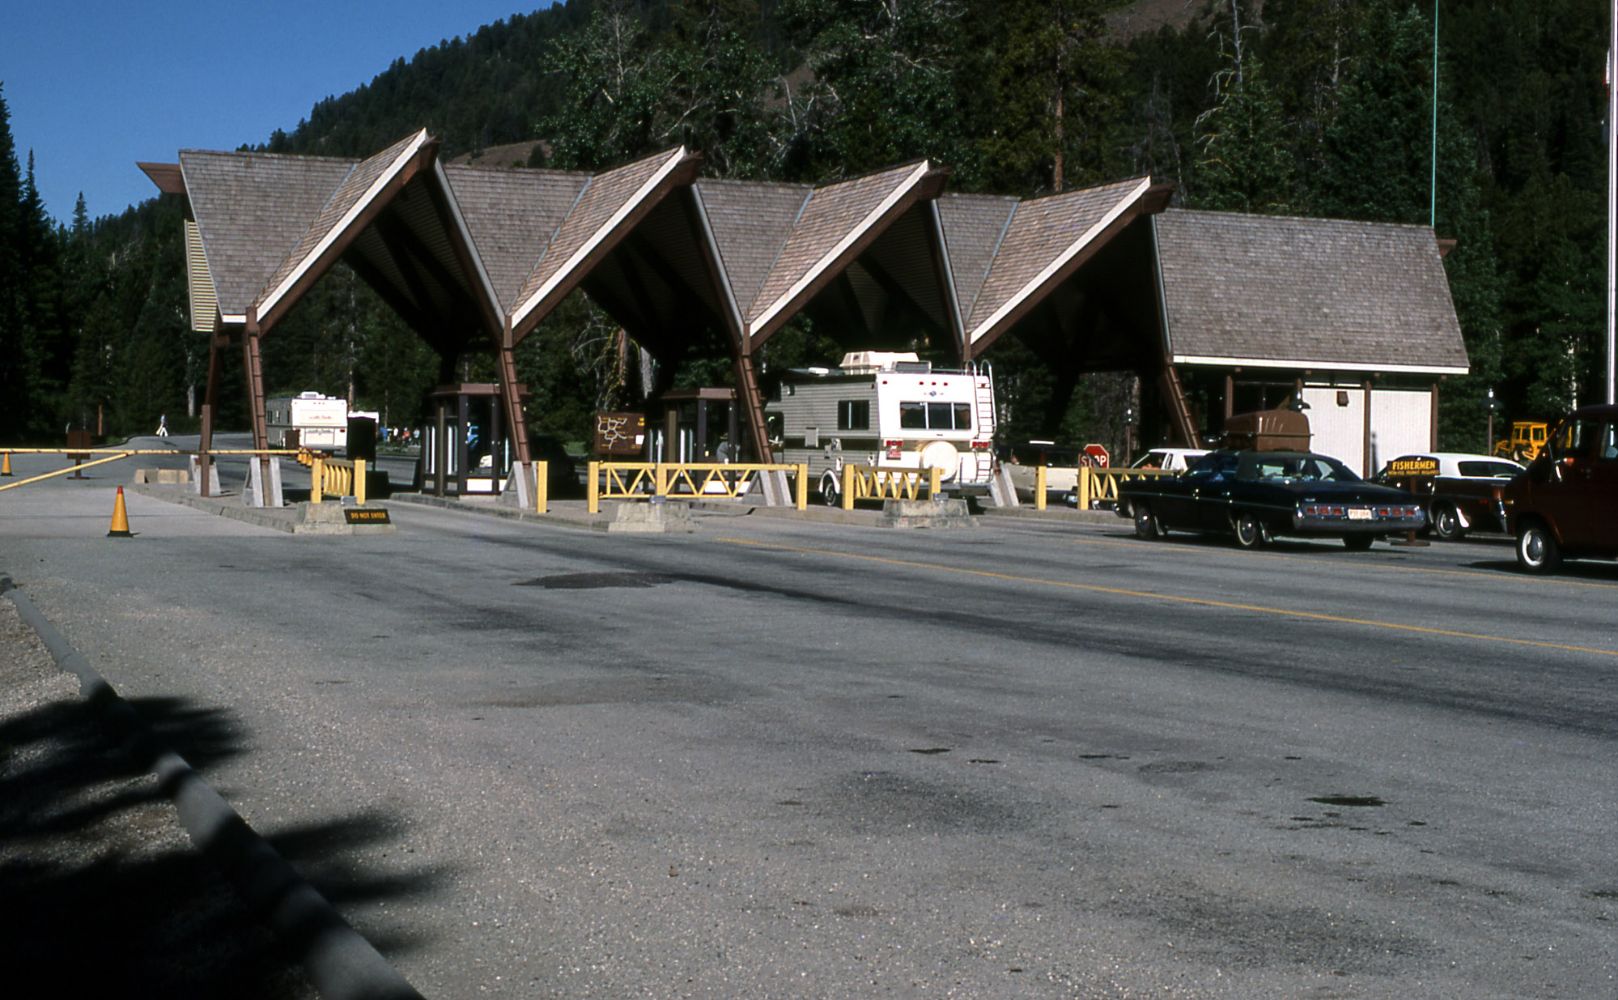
column 891, row 411
column 321, row 422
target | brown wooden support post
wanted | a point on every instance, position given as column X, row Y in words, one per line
column 1365, row 456
column 441, row 451
column 510, row 394
column 210, row 399
column 1432, row 422
column 254, row 363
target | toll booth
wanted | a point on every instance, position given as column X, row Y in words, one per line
column 466, row 447
column 697, row 425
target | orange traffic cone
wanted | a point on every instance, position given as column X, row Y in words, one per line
column 120, row 518
column 5, row 464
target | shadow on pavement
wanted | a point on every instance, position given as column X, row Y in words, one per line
column 103, row 893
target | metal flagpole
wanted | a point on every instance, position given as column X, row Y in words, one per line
column 1432, row 212
column 1612, row 194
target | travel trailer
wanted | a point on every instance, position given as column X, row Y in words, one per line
column 307, row 420
column 889, row 410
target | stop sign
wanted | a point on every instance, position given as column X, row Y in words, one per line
column 1098, row 455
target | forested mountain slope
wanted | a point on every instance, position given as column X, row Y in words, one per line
column 1309, row 107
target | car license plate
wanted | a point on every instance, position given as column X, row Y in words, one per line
column 1359, row 513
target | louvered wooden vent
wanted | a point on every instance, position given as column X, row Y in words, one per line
column 204, row 300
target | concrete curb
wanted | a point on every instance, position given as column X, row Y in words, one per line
column 294, row 519
column 1028, row 512
column 339, row 962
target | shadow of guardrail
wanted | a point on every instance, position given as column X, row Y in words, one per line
column 105, row 895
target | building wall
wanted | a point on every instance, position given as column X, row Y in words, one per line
column 1401, row 422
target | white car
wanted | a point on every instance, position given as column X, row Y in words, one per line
column 1172, row 459
column 1459, row 488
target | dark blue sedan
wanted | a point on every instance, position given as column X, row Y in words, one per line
column 1257, row 495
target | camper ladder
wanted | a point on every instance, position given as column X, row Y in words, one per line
column 983, row 394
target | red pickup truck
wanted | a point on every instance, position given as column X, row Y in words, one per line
column 1566, row 504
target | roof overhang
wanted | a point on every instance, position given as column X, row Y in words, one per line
column 166, row 176
column 1303, row 365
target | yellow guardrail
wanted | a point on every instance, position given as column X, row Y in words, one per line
column 644, row 480
column 865, row 482
column 340, row 477
column 1096, row 485
column 112, row 455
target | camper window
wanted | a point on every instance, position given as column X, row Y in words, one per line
column 935, row 416
column 854, row 415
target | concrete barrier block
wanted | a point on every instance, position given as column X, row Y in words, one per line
column 162, row 476
column 939, row 513
column 648, row 518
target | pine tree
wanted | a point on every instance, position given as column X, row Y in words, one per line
column 16, row 400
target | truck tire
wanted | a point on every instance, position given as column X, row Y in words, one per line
column 1537, row 551
column 831, row 489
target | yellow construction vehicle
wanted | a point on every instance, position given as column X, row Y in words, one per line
column 1527, row 438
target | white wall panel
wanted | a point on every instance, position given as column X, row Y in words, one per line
column 1339, row 431
column 1401, row 422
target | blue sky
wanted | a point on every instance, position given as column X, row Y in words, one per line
column 95, row 85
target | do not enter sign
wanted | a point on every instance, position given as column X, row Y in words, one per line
column 1098, row 455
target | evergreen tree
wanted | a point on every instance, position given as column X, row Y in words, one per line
column 15, row 360
column 882, row 89
column 1043, row 89
column 1246, row 163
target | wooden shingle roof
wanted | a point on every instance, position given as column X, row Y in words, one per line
column 835, row 218
column 751, row 222
column 1042, row 239
column 1267, row 291
column 340, row 210
column 974, row 225
column 596, row 222
column 252, row 209
column 512, row 215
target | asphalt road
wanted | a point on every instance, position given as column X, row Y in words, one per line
column 783, row 759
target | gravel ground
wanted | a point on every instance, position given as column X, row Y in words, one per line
column 104, row 893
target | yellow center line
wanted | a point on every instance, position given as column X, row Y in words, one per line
column 1205, row 602
column 1471, row 574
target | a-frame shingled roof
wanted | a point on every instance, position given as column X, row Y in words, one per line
column 594, row 225
column 974, row 225
column 1268, row 291
column 251, row 211
column 340, row 210
column 831, row 223
column 751, row 222
column 1042, row 239
column 512, row 215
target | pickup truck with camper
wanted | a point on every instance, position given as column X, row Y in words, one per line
column 888, row 410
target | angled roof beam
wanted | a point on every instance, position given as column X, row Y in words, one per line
column 406, row 310
column 418, row 266
column 461, row 243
